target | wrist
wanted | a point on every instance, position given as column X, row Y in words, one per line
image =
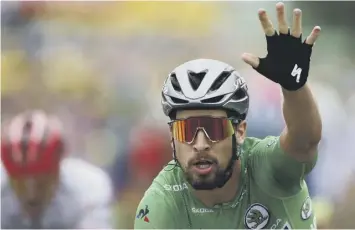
column 286, row 91
column 297, row 95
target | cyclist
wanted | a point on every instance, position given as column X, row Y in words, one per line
column 219, row 178
column 40, row 187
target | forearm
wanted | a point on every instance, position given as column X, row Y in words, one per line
column 303, row 122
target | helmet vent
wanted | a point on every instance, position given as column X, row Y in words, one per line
column 196, row 78
column 175, row 82
column 213, row 99
column 220, row 80
column 239, row 94
column 178, row 101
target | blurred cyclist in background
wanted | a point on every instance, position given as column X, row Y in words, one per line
column 40, row 187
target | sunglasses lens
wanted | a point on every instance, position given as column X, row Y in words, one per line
column 217, row 129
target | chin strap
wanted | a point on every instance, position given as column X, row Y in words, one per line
column 235, row 156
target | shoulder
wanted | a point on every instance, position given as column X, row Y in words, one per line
column 260, row 152
column 273, row 170
column 170, row 179
column 256, row 147
column 160, row 205
column 251, row 143
column 81, row 177
column 166, row 188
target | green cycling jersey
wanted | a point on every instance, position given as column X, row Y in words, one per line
column 272, row 195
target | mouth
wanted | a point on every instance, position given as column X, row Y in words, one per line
column 203, row 163
column 203, row 166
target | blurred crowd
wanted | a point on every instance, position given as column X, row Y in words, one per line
column 100, row 66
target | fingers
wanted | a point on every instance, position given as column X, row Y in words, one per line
column 311, row 39
column 251, row 59
column 266, row 23
column 281, row 18
column 296, row 29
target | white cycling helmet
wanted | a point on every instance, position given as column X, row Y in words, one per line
column 205, row 84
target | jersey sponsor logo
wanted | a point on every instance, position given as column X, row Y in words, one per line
column 240, row 82
column 142, row 214
column 201, row 210
column 175, row 187
column 306, row 210
column 286, row 226
column 279, row 221
column 274, row 226
column 256, row 217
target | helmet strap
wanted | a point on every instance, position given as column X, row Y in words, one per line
column 235, row 156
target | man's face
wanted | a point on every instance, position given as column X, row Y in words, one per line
column 204, row 162
column 34, row 192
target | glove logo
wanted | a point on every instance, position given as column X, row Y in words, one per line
column 296, row 72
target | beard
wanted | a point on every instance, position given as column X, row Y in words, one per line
column 206, row 182
column 210, row 181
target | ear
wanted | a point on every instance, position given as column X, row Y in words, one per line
column 240, row 131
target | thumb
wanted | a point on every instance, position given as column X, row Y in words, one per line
column 251, row 59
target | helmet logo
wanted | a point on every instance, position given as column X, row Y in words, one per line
column 239, row 82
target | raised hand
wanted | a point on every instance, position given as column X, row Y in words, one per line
column 288, row 59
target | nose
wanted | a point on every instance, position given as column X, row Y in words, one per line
column 201, row 142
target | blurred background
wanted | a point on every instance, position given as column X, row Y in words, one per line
column 100, row 67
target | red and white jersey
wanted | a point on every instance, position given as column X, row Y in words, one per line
column 82, row 200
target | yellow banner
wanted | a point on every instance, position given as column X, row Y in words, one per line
column 14, row 71
column 128, row 17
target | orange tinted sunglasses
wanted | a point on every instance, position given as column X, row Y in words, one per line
column 215, row 128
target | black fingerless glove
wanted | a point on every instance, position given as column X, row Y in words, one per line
column 287, row 61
